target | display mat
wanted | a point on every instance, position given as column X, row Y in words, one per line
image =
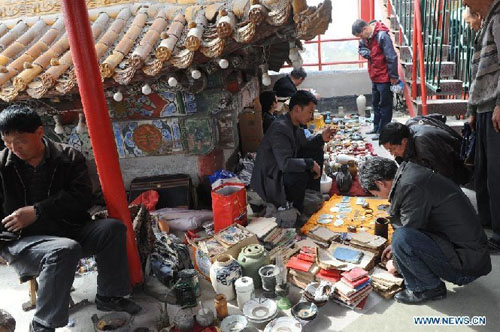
column 346, row 209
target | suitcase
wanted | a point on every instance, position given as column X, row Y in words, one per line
column 174, row 189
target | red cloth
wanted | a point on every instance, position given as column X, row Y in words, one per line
column 148, row 198
column 377, row 66
column 356, row 189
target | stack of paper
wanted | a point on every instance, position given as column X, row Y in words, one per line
column 262, row 226
column 385, row 283
column 322, row 235
column 368, row 242
column 353, row 288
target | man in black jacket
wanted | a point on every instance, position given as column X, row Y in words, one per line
column 427, row 142
column 287, row 85
column 437, row 231
column 45, row 191
column 280, row 175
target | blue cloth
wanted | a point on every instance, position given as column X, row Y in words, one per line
column 382, row 101
column 421, row 262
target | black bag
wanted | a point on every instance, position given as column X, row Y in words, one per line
column 468, row 147
column 175, row 190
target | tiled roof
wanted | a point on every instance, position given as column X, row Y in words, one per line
column 134, row 40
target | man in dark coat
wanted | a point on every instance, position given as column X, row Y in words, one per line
column 279, row 175
column 376, row 46
column 45, row 191
column 437, row 231
column 429, row 143
column 286, row 86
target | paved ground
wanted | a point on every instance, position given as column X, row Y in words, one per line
column 481, row 298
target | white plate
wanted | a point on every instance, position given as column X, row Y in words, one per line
column 284, row 324
column 259, row 309
column 234, row 323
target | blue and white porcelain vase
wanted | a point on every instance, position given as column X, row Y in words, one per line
column 223, row 274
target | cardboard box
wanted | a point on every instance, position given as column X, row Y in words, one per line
column 251, row 130
column 203, row 261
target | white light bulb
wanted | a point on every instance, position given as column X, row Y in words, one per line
column 172, row 82
column 81, row 127
column 266, row 79
column 195, row 73
column 146, row 89
column 223, row 63
column 118, row 96
column 294, row 54
column 58, row 129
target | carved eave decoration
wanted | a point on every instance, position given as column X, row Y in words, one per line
column 139, row 41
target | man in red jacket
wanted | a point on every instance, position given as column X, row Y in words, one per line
column 376, row 46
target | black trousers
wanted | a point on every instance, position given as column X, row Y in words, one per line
column 487, row 171
column 295, row 187
column 317, row 155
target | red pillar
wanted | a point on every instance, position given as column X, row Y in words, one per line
column 366, row 9
column 76, row 20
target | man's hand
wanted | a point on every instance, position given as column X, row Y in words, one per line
column 390, row 267
column 328, row 134
column 20, row 219
column 472, row 122
column 316, row 170
column 387, row 254
column 495, row 118
column 394, row 81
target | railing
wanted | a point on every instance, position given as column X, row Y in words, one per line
column 444, row 37
column 403, row 9
column 461, row 44
column 418, row 51
column 322, row 63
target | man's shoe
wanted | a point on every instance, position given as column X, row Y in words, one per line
column 37, row 327
column 375, row 137
column 493, row 245
column 104, row 303
column 373, row 131
column 408, row 297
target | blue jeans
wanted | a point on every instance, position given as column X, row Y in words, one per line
column 421, row 262
column 382, row 101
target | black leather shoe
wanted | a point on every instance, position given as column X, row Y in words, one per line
column 37, row 327
column 116, row 304
column 408, row 297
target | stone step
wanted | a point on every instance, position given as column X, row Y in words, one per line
column 446, row 107
column 447, row 69
column 405, row 53
column 448, row 87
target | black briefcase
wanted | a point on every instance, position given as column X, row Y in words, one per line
column 174, row 189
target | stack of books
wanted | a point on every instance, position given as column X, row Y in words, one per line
column 385, row 283
column 369, row 242
column 302, row 267
column 353, row 288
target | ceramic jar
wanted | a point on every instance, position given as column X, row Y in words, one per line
column 244, row 290
column 361, row 105
column 251, row 259
column 223, row 273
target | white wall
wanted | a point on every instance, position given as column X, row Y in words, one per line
column 337, row 83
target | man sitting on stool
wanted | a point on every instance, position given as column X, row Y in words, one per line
column 437, row 231
column 280, row 176
column 45, row 192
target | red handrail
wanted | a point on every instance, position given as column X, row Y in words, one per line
column 418, row 48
